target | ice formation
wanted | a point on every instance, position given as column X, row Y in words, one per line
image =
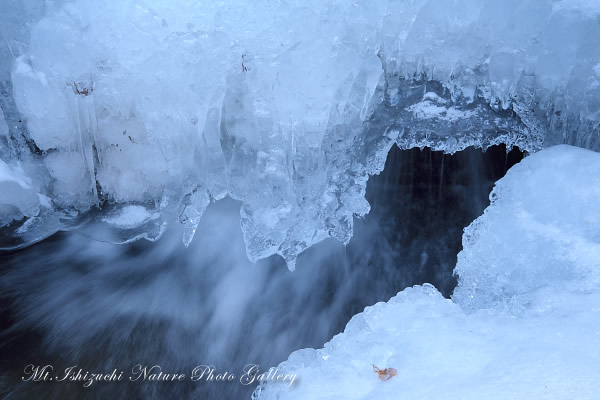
column 523, row 323
column 286, row 106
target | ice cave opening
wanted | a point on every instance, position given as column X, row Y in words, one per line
column 157, row 302
column 422, row 200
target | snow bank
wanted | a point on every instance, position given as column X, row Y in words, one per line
column 524, row 322
column 287, row 106
column 539, row 237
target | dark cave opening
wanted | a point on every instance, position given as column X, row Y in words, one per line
column 420, row 204
column 423, row 200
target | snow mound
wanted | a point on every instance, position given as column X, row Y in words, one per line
column 523, row 323
column 286, row 106
column 539, row 236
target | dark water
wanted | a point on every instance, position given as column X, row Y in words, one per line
column 70, row 301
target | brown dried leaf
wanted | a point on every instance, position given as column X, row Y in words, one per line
column 385, row 374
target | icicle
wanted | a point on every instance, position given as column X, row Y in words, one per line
column 291, row 264
column 193, row 208
column 87, row 128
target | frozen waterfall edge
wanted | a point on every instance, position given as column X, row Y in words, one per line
column 287, row 119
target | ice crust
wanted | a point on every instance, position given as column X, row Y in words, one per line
column 286, row 106
column 540, row 236
column 523, row 323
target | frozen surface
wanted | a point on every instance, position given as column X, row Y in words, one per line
column 129, row 216
column 17, row 196
column 523, row 323
column 3, row 128
column 540, row 236
column 287, row 106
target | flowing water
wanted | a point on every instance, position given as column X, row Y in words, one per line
column 72, row 301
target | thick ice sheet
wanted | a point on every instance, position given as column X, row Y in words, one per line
column 287, row 106
column 523, row 323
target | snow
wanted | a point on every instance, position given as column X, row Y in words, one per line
column 427, row 109
column 17, row 196
column 129, row 216
column 524, row 321
column 589, row 7
column 14, row 175
column 286, row 106
column 552, row 201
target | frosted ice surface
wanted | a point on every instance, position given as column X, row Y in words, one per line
column 128, row 217
column 286, row 106
column 18, row 199
column 523, row 323
column 14, row 175
column 433, row 107
column 440, row 352
column 541, row 231
column 3, row 127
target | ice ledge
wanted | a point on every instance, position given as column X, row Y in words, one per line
column 170, row 107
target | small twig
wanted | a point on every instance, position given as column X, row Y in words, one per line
column 244, row 68
column 84, row 91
